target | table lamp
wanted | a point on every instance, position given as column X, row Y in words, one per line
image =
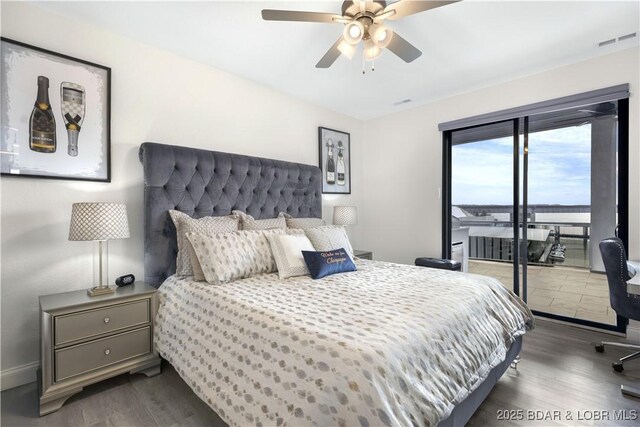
column 345, row 215
column 99, row 223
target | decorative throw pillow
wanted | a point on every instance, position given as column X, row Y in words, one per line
column 207, row 225
column 303, row 223
column 247, row 222
column 196, row 268
column 225, row 257
column 321, row 264
column 329, row 237
column 287, row 251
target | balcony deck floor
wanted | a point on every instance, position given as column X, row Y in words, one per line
column 566, row 291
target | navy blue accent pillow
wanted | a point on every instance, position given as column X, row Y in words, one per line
column 321, row 264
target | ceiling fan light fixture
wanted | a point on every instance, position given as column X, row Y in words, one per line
column 347, row 49
column 380, row 35
column 371, row 51
column 353, row 32
column 364, row 21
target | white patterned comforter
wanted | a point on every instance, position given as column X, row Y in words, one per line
column 388, row 344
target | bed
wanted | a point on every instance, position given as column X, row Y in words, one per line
column 388, row 344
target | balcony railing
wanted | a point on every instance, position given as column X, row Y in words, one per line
column 492, row 239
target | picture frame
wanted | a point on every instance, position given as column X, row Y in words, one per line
column 334, row 154
column 66, row 132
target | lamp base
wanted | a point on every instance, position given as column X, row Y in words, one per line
column 100, row 290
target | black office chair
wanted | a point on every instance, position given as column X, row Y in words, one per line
column 623, row 303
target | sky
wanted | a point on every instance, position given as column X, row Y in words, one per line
column 559, row 169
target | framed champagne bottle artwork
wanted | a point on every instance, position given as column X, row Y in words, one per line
column 55, row 114
column 335, row 160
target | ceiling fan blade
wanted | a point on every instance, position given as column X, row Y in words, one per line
column 297, row 16
column 330, row 57
column 405, row 50
column 404, row 8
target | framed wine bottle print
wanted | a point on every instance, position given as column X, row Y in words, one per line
column 335, row 161
column 55, row 115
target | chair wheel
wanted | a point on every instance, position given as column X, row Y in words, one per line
column 600, row 348
column 617, row 367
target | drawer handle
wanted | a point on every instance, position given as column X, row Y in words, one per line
column 107, row 352
column 107, row 320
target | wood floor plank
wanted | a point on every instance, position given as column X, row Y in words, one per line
column 559, row 371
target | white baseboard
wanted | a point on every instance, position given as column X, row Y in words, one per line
column 20, row 375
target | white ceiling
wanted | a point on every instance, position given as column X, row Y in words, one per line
column 465, row 46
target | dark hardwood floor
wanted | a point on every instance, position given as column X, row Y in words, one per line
column 559, row 371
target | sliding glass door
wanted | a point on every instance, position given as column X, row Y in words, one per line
column 571, row 174
column 532, row 197
column 484, row 203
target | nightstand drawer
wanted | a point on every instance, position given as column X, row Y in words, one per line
column 86, row 324
column 86, row 357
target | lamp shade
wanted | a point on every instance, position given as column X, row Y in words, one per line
column 347, row 49
column 353, row 32
column 371, row 51
column 98, row 221
column 345, row 215
column 380, row 35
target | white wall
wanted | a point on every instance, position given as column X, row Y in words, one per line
column 156, row 96
column 401, row 215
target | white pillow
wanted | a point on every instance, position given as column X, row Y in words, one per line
column 329, row 238
column 287, row 251
column 225, row 257
column 303, row 223
column 247, row 222
column 206, row 225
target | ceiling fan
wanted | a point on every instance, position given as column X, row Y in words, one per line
column 363, row 22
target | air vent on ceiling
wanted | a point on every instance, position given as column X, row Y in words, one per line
column 404, row 101
column 627, row 36
column 607, row 42
column 619, row 39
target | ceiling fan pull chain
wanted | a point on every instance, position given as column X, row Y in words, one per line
column 373, row 65
column 363, row 63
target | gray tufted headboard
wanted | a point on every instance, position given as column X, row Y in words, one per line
column 209, row 183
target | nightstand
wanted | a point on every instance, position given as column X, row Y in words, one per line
column 86, row 339
column 363, row 254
